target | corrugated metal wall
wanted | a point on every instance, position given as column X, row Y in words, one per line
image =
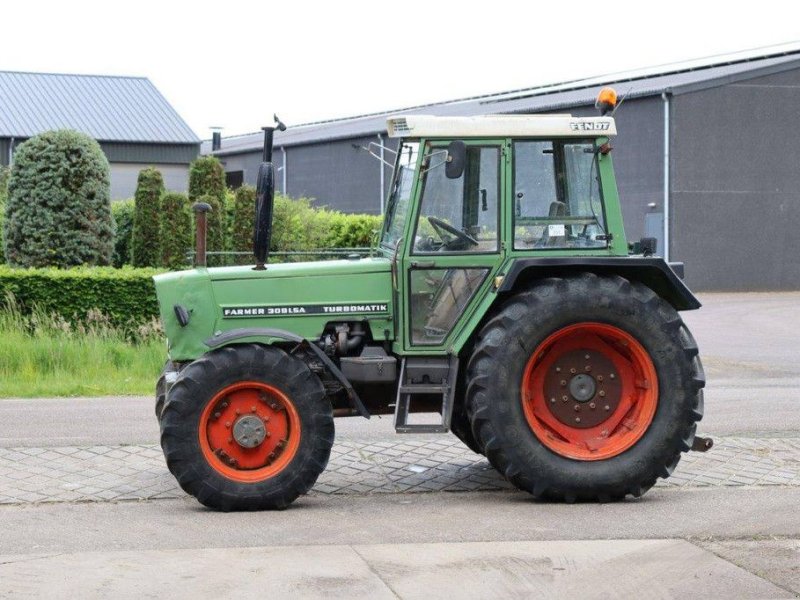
column 736, row 184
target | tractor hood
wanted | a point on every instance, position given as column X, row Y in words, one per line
column 297, row 297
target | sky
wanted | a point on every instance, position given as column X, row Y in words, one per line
column 232, row 64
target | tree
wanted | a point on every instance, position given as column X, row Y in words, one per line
column 207, row 184
column 176, row 230
column 243, row 220
column 59, row 209
column 145, row 243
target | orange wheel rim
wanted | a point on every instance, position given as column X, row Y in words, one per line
column 589, row 391
column 249, row 431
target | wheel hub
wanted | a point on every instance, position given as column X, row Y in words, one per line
column 249, row 431
column 582, row 388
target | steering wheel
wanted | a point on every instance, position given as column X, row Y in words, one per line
column 440, row 226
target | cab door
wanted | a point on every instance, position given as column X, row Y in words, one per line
column 454, row 246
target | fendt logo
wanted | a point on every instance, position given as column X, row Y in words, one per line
column 589, row 125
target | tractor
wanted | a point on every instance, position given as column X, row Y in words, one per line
column 502, row 303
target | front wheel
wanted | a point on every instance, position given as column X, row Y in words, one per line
column 585, row 388
column 247, row 428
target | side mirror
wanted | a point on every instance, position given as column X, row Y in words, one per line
column 456, row 159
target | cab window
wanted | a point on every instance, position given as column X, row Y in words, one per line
column 459, row 215
column 557, row 197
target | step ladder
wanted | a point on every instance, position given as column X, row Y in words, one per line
column 426, row 376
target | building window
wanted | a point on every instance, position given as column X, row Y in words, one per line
column 234, row 179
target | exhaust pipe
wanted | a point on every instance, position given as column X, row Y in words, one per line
column 200, row 209
column 265, row 198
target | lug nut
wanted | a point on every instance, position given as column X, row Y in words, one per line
column 607, row 407
column 573, row 370
column 587, row 368
column 224, row 405
column 228, row 424
column 558, row 369
column 599, row 378
column 563, row 383
column 591, row 405
column 217, row 415
column 612, row 376
column 552, row 400
column 577, row 419
column 564, row 398
column 577, row 408
column 586, row 357
column 252, row 409
column 601, row 393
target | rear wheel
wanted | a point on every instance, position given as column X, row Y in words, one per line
column 247, row 428
column 585, row 388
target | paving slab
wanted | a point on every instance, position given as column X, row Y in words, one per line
column 777, row 560
column 485, row 570
column 138, row 472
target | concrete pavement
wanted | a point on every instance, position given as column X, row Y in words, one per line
column 591, row 569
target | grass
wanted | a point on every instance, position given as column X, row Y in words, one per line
column 42, row 355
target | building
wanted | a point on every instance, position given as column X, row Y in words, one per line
column 711, row 144
column 134, row 124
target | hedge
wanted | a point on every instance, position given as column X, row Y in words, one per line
column 126, row 295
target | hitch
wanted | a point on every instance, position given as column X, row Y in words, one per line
column 702, row 444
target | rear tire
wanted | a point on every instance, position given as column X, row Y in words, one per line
column 239, row 391
column 527, row 429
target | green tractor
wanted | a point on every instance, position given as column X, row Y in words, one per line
column 502, row 297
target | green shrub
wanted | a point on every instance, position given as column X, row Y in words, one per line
column 59, row 210
column 122, row 211
column 145, row 245
column 5, row 172
column 352, row 231
column 127, row 296
column 243, row 213
column 206, row 178
column 176, row 230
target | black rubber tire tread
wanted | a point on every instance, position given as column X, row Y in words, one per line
column 461, row 428
column 200, row 381
column 497, row 363
column 161, row 389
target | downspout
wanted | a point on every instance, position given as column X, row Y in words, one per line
column 665, row 99
column 11, row 152
column 283, row 175
column 382, row 167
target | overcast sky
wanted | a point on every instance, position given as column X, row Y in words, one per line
column 231, row 63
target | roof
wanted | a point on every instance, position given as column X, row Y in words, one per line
column 108, row 108
column 500, row 126
column 673, row 79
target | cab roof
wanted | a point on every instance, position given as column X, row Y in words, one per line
column 428, row 126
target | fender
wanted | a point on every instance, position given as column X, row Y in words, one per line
column 265, row 334
column 655, row 273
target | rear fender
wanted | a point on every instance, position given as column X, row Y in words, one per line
column 655, row 273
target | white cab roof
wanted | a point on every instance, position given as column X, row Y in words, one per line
column 427, row 126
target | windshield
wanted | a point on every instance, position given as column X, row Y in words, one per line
column 397, row 207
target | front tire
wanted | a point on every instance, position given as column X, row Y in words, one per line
column 585, row 388
column 247, row 428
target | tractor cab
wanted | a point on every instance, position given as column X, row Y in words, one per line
column 470, row 194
